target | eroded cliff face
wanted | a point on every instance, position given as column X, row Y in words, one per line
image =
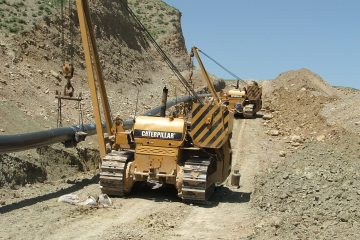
column 32, row 58
column 164, row 23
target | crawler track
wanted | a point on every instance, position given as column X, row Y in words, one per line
column 195, row 187
column 112, row 172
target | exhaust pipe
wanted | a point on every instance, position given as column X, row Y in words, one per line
column 163, row 102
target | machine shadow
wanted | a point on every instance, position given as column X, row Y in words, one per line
column 168, row 193
column 144, row 190
column 257, row 115
column 165, row 193
column 42, row 198
column 224, row 194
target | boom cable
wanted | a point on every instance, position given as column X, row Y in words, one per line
column 175, row 70
column 224, row 68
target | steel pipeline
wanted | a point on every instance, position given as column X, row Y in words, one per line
column 25, row 141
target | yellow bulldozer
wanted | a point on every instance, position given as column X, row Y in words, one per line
column 191, row 151
column 193, row 155
column 245, row 102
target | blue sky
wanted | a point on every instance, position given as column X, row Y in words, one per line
column 259, row 39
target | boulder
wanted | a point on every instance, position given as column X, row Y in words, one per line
column 274, row 132
column 295, row 138
column 267, row 116
column 55, row 74
column 320, row 138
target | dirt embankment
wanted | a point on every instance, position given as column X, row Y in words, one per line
column 313, row 191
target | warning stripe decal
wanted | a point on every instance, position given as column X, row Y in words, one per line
column 196, row 127
column 196, row 119
column 226, row 119
column 254, row 92
column 197, row 109
column 216, row 140
column 206, row 134
column 218, row 131
column 213, row 127
column 199, row 132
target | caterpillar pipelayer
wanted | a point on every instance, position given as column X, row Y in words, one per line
column 246, row 102
column 191, row 152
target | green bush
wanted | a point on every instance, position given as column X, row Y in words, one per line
column 14, row 28
column 57, row 3
column 11, row 20
column 18, row 4
column 21, row 21
column 47, row 10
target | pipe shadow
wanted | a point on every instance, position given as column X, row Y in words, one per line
column 42, row 198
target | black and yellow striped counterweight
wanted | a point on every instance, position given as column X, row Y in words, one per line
column 209, row 125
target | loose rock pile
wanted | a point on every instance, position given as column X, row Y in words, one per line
column 313, row 193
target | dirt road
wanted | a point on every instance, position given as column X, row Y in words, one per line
column 34, row 212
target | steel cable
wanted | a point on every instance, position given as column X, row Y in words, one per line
column 171, row 65
column 224, row 68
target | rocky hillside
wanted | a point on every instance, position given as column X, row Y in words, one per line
column 164, row 24
column 33, row 52
column 30, row 72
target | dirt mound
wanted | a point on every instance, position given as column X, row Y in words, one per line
column 63, row 163
column 298, row 113
column 304, row 105
column 304, row 79
column 312, row 194
column 344, row 112
column 50, row 163
column 15, row 171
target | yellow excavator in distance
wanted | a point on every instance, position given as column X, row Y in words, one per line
column 191, row 152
